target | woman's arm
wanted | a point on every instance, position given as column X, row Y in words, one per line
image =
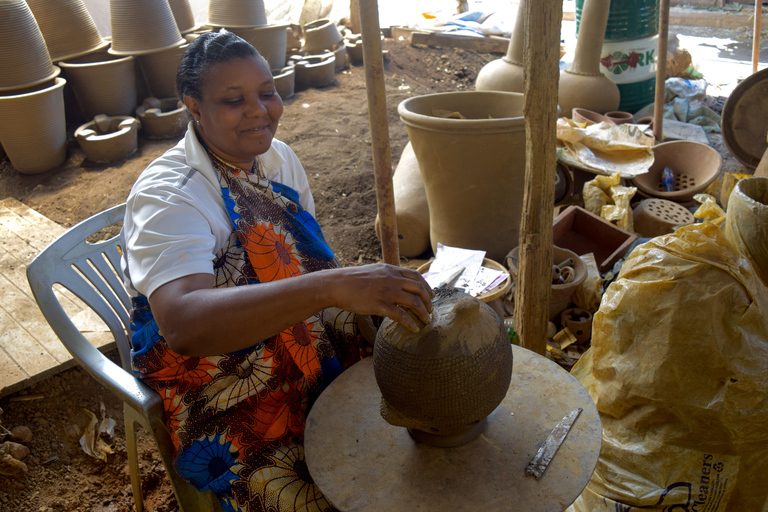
column 197, row 319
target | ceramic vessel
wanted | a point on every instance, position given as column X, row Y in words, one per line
column 656, row 217
column 619, row 117
column 693, row 164
column 285, row 81
column 746, row 224
column 411, row 208
column 236, row 13
column 314, row 70
column 561, row 294
column 582, row 84
column 183, row 15
column 67, row 27
column 159, row 70
column 108, row 139
column 24, row 58
column 354, row 50
column 271, row 41
column 162, row 118
column 340, row 57
column 582, row 115
column 443, row 381
column 579, row 322
column 320, row 35
column 103, row 83
column 33, row 129
column 475, row 191
column 506, row 74
column 142, row 26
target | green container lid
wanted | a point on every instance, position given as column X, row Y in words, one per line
column 637, row 95
column 628, row 19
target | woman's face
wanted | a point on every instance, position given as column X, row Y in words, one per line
column 238, row 111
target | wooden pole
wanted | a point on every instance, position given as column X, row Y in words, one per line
column 756, row 36
column 377, row 116
column 354, row 16
column 661, row 71
column 541, row 55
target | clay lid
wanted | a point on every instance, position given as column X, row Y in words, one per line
column 24, row 57
column 447, row 378
column 142, row 26
column 67, row 27
column 236, row 13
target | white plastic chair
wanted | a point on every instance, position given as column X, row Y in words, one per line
column 90, row 271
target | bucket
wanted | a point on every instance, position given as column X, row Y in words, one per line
column 473, row 168
column 630, row 50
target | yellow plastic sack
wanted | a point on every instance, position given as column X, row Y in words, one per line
column 678, row 369
column 604, row 196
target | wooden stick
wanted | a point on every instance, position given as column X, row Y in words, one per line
column 756, row 36
column 377, row 116
column 541, row 55
column 354, row 16
column 661, row 71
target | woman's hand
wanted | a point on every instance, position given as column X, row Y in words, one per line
column 383, row 290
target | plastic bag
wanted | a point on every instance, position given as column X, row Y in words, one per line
column 604, row 196
column 587, row 296
column 678, row 369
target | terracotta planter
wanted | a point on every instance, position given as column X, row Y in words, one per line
column 411, row 207
column 159, row 70
column 24, row 58
column 506, row 74
column 561, row 294
column 656, row 217
column 746, row 224
column 270, row 40
column 103, row 84
column 108, row 139
column 582, row 115
column 67, row 27
column 320, row 36
column 142, row 26
column 162, row 118
column 694, row 165
column 236, row 13
column 183, row 15
column 315, row 70
column 475, row 190
column 285, row 81
column 583, row 85
column 33, row 129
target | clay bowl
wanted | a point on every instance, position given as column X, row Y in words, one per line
column 67, row 27
column 490, row 295
column 285, row 81
column 24, row 57
column 162, row 118
column 108, row 139
column 320, row 35
column 582, row 115
column 271, row 41
column 695, row 166
column 142, row 26
column 236, row 13
column 619, row 117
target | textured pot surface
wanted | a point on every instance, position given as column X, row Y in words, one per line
column 24, row 57
column 271, row 41
column 236, row 13
column 67, row 27
column 474, row 189
column 142, row 26
column 159, row 70
column 162, row 119
column 103, row 83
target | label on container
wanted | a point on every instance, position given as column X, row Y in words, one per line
column 630, row 61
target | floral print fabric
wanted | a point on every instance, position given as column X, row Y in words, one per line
column 237, row 420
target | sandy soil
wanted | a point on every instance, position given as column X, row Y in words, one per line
column 328, row 129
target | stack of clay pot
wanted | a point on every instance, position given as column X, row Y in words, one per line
column 248, row 19
column 322, row 54
column 32, row 120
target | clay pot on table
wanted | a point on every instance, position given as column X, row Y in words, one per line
column 142, row 26
column 33, row 129
column 103, row 83
column 270, row 40
column 24, row 59
column 474, row 189
column 443, row 381
column 108, row 139
column 236, row 13
column 506, row 74
column 320, row 36
column 582, row 84
column 162, row 118
column 314, row 70
column 285, row 81
column 67, row 27
column 159, row 70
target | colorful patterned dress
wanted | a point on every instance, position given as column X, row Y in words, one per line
column 237, row 420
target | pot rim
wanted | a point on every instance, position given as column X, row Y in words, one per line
column 59, row 82
column 78, row 65
column 439, row 124
column 54, row 74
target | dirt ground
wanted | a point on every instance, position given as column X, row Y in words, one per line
column 328, row 129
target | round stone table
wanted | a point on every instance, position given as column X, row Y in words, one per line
column 362, row 463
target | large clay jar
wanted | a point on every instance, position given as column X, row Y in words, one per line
column 411, row 207
column 33, row 130
column 746, row 223
column 444, row 380
column 583, row 85
column 473, row 168
column 506, row 74
column 103, row 83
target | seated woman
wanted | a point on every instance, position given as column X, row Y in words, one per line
column 242, row 314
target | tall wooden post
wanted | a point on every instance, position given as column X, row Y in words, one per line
column 354, row 16
column 377, row 116
column 756, row 35
column 661, row 71
column 541, row 57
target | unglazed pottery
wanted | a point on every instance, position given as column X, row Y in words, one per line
column 142, row 26
column 67, row 27
column 746, row 224
column 108, row 139
column 183, row 15
column 579, row 322
column 320, row 36
column 162, row 118
column 33, row 129
column 270, row 40
column 103, row 83
column 619, row 117
column 314, row 70
column 582, row 84
column 443, row 381
column 474, row 189
column 506, row 74
column 159, row 70
column 285, row 81
column 236, row 13
column 656, row 217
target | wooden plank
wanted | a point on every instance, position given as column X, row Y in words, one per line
column 39, row 220
column 22, row 347
column 478, row 44
column 26, row 230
